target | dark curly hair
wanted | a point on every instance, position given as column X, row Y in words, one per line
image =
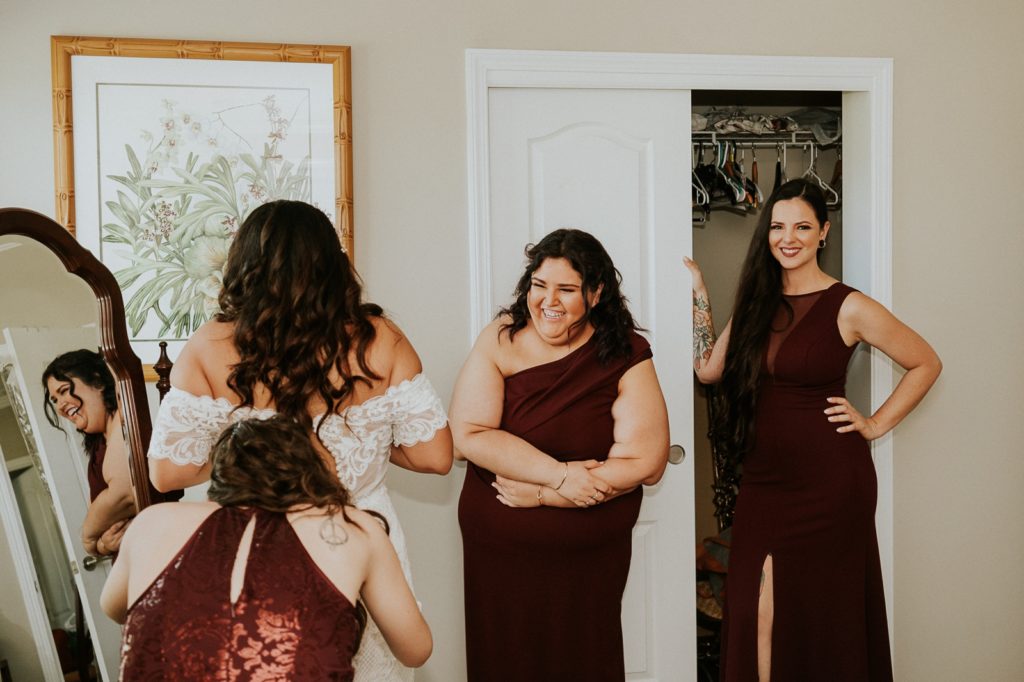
column 272, row 465
column 296, row 304
column 758, row 298
column 86, row 366
column 610, row 316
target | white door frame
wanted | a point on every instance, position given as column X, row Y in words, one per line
column 867, row 150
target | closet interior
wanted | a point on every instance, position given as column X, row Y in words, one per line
column 744, row 145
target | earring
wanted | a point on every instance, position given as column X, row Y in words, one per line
column 821, row 243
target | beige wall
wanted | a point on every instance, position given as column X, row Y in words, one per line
column 959, row 470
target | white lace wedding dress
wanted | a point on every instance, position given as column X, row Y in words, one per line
column 360, row 439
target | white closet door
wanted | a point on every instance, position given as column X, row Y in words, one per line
column 616, row 163
column 64, row 469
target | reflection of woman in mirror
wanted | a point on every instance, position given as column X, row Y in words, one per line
column 276, row 560
column 80, row 388
column 294, row 337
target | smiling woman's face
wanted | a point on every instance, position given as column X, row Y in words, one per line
column 556, row 301
column 794, row 234
column 86, row 412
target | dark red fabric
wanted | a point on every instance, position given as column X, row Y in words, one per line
column 543, row 586
column 94, row 470
column 807, row 497
column 289, row 623
column 98, row 483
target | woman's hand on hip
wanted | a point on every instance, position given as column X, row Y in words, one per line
column 842, row 411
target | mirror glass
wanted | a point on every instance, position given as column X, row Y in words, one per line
column 45, row 495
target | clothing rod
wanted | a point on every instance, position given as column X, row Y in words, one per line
column 760, row 141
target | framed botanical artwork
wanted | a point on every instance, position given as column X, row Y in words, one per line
column 163, row 147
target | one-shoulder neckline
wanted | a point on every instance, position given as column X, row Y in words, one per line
column 552, row 363
column 224, row 402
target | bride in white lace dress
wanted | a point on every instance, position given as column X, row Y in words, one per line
column 293, row 337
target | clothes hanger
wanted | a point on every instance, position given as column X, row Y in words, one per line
column 780, row 166
column 831, row 196
column 728, row 168
column 757, row 196
column 837, row 170
column 701, row 197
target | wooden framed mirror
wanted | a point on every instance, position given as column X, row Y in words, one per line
column 112, row 333
column 55, row 296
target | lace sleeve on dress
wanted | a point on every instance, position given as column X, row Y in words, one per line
column 416, row 411
column 187, row 426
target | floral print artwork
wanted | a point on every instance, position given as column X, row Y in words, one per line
column 189, row 179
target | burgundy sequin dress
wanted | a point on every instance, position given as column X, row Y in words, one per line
column 807, row 498
column 289, row 622
column 544, row 586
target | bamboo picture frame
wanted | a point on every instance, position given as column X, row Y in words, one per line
column 86, row 211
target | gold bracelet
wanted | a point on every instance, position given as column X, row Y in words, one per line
column 540, row 498
column 564, row 476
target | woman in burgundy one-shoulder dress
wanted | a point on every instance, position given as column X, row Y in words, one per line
column 559, row 411
column 804, row 596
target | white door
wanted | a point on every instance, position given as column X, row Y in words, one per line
column 64, row 471
column 30, row 610
column 616, row 163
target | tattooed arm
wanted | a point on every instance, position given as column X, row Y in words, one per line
column 708, row 351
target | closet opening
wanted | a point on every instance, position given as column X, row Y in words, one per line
column 745, row 143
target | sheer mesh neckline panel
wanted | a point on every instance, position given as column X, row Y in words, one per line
column 783, row 324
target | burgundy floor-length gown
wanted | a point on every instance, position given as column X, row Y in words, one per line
column 544, row 586
column 807, row 498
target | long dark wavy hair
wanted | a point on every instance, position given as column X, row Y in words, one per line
column 88, row 367
column 757, row 299
column 296, row 304
column 272, row 465
column 610, row 316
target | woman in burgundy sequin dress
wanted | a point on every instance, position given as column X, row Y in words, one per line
column 560, row 414
column 804, row 590
column 261, row 582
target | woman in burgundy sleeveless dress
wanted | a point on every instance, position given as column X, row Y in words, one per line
column 804, row 595
column 261, row 582
column 559, row 411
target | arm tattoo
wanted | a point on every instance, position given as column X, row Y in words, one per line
column 703, row 330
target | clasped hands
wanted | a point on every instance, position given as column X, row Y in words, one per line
column 581, row 487
column 110, row 541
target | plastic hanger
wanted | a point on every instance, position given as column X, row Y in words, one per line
column 831, row 196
